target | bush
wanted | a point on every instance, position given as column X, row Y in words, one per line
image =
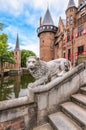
column 80, row 59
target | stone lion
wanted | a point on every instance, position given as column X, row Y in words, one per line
column 44, row 72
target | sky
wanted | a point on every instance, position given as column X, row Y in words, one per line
column 22, row 17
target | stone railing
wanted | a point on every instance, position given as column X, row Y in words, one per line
column 17, row 114
column 49, row 96
column 26, row 112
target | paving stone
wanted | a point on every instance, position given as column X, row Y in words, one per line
column 61, row 122
column 83, row 90
column 44, row 127
column 75, row 111
column 81, row 98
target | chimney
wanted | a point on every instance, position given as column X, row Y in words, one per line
column 40, row 21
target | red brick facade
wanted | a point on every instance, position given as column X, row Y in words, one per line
column 16, row 124
column 70, row 39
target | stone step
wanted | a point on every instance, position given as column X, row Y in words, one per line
column 80, row 99
column 75, row 112
column 44, row 127
column 60, row 121
column 83, row 90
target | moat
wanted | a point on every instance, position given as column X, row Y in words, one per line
column 14, row 86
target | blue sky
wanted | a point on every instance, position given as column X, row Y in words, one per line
column 22, row 17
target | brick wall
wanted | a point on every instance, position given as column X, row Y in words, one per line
column 46, row 46
column 18, row 114
column 16, row 124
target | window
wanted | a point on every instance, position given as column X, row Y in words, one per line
column 71, row 19
column 69, row 54
column 80, row 50
column 67, row 21
column 64, row 55
column 68, row 36
column 80, row 30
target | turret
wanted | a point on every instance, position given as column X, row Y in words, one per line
column 46, row 33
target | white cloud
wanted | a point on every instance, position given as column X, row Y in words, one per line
column 11, row 45
column 31, row 18
column 15, row 7
column 27, row 41
column 33, row 47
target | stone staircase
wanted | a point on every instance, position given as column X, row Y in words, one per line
column 72, row 115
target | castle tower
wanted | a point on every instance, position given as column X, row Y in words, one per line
column 46, row 33
column 17, row 54
column 70, row 14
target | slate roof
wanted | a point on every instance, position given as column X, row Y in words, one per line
column 71, row 4
column 17, row 43
column 47, row 18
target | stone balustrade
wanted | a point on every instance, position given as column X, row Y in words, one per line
column 26, row 112
column 49, row 96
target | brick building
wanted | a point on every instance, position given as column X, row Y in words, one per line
column 69, row 38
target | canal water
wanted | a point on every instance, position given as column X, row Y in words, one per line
column 14, row 86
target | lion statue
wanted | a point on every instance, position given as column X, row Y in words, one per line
column 44, row 72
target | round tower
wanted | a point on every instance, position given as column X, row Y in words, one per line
column 46, row 33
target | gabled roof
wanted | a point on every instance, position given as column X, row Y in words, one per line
column 71, row 4
column 47, row 18
column 17, row 43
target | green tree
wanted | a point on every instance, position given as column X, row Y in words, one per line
column 24, row 55
column 5, row 54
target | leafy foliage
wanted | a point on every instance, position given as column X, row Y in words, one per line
column 5, row 54
column 80, row 59
column 24, row 55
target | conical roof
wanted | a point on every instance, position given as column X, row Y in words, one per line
column 71, row 4
column 47, row 18
column 17, row 43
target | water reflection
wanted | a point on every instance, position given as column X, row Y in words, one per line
column 14, row 86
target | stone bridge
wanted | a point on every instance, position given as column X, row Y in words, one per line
column 27, row 113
